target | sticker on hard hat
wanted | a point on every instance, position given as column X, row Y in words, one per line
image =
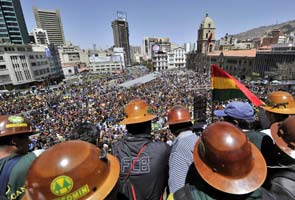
column 61, row 185
column 16, row 125
column 15, row 119
column 77, row 194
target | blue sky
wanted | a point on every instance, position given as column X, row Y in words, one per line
column 88, row 22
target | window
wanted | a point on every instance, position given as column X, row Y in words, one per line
column 7, row 8
column 209, row 25
column 11, row 24
column 2, row 67
column 10, row 14
column 16, row 38
column 21, row 49
column 9, row 49
column 13, row 29
column 231, row 61
column 10, row 19
column 4, row 78
column 6, row 3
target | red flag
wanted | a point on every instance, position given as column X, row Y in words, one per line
column 225, row 87
column 209, row 41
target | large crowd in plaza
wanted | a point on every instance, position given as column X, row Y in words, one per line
column 151, row 143
column 57, row 112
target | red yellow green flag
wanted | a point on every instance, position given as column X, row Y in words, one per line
column 225, row 87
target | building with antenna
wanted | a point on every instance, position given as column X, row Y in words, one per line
column 121, row 35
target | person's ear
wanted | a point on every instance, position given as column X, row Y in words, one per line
column 13, row 141
column 236, row 122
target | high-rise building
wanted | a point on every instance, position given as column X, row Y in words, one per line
column 121, row 36
column 13, row 28
column 50, row 21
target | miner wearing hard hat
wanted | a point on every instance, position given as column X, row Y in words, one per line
column 280, row 105
column 15, row 159
column 181, row 157
column 226, row 166
column 73, row 170
column 144, row 163
column 281, row 174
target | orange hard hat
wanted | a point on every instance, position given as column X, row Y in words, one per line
column 72, row 170
column 283, row 134
column 137, row 111
column 12, row 125
column 227, row 161
column 280, row 102
column 178, row 114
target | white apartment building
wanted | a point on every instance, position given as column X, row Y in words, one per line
column 177, row 58
column 135, row 53
column 51, row 55
column 73, row 59
column 113, row 62
column 69, row 54
column 160, row 61
column 152, row 45
column 40, row 36
column 19, row 64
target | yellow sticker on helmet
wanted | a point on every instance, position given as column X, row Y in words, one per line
column 16, row 125
column 77, row 194
column 61, row 185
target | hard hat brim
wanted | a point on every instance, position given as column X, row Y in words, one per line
column 138, row 119
column 179, row 122
column 110, row 182
column 240, row 185
column 280, row 142
column 286, row 111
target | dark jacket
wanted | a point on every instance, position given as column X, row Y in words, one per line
column 150, row 174
column 263, row 142
column 281, row 182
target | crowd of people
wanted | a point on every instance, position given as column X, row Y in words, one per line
column 56, row 113
column 149, row 129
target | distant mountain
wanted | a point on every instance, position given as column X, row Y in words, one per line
column 285, row 27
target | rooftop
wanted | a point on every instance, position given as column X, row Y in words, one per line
column 235, row 53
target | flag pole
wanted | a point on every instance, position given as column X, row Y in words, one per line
column 208, row 59
column 212, row 103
